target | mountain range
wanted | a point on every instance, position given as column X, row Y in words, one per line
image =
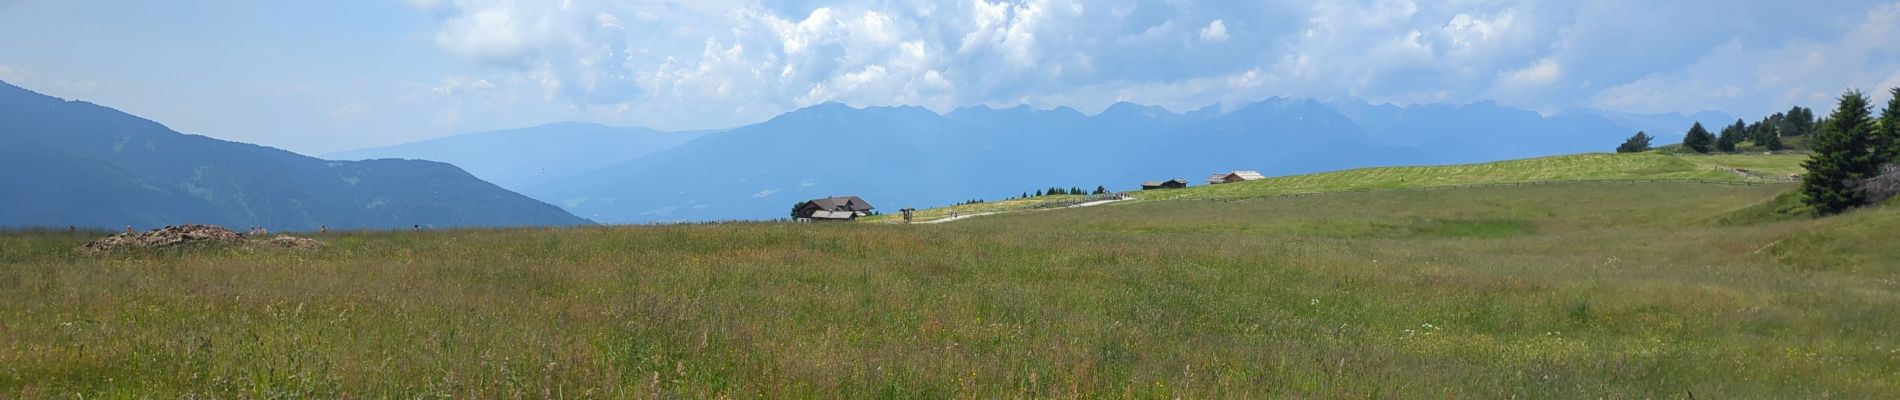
column 70, row 163
column 899, row 157
column 75, row 163
column 518, row 159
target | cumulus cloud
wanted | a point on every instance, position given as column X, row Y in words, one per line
column 678, row 64
column 1545, row 72
column 1759, row 80
column 1215, row 32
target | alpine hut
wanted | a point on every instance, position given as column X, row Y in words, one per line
column 847, row 208
column 1176, row 183
column 1235, row 176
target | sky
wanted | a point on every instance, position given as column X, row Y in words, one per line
column 318, row 77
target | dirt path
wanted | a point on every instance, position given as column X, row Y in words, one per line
column 960, row 217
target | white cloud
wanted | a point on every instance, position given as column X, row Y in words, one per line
column 350, row 111
column 14, row 76
column 1214, row 32
column 1545, row 72
column 678, row 65
column 1748, row 80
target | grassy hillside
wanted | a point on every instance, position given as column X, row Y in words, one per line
column 980, row 208
column 1644, row 166
column 1551, row 291
column 1601, row 166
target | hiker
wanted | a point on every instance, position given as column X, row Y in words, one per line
column 323, row 229
column 128, row 229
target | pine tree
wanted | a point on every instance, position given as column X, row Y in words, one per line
column 1888, row 145
column 1699, row 139
column 1772, row 141
column 1731, row 136
column 1798, row 122
column 1764, row 132
column 1101, row 190
column 1843, row 155
column 1636, row 144
column 1038, row 193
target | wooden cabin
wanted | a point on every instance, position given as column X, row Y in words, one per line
column 847, row 208
column 1235, row 176
column 1176, row 183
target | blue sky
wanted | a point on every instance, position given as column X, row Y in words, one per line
column 324, row 76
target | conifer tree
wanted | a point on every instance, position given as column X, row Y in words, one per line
column 1699, row 139
column 1844, row 154
column 1731, row 136
column 1799, row 122
column 1636, row 144
column 1888, row 144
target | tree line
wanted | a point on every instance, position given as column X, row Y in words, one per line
column 1057, row 191
column 1854, row 152
column 1766, row 134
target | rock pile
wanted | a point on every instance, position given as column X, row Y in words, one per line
column 293, row 242
column 191, row 235
column 169, row 236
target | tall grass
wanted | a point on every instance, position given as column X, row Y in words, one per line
column 1550, row 291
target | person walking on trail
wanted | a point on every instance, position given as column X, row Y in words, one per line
column 953, row 214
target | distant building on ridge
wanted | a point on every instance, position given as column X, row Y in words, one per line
column 847, row 208
column 1236, row 176
column 1177, row 183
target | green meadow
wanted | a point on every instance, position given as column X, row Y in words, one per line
column 1580, row 167
column 1649, row 166
column 1600, row 290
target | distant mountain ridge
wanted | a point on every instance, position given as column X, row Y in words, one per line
column 518, row 159
column 899, row 157
column 75, row 163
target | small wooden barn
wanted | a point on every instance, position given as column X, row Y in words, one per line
column 1176, row 183
column 846, row 208
column 1235, row 176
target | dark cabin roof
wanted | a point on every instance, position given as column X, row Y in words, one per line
column 846, row 203
column 1176, row 181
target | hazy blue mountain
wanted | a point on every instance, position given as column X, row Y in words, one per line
column 518, row 159
column 912, row 157
column 75, row 163
column 1667, row 128
column 1276, row 137
column 1486, row 131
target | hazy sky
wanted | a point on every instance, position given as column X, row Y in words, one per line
column 319, row 76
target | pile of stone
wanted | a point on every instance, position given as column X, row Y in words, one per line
column 191, row 235
column 294, row 243
column 169, row 236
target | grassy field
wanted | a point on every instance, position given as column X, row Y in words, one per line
column 1643, row 166
column 1761, row 164
column 978, row 208
column 1552, row 291
column 1600, row 166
